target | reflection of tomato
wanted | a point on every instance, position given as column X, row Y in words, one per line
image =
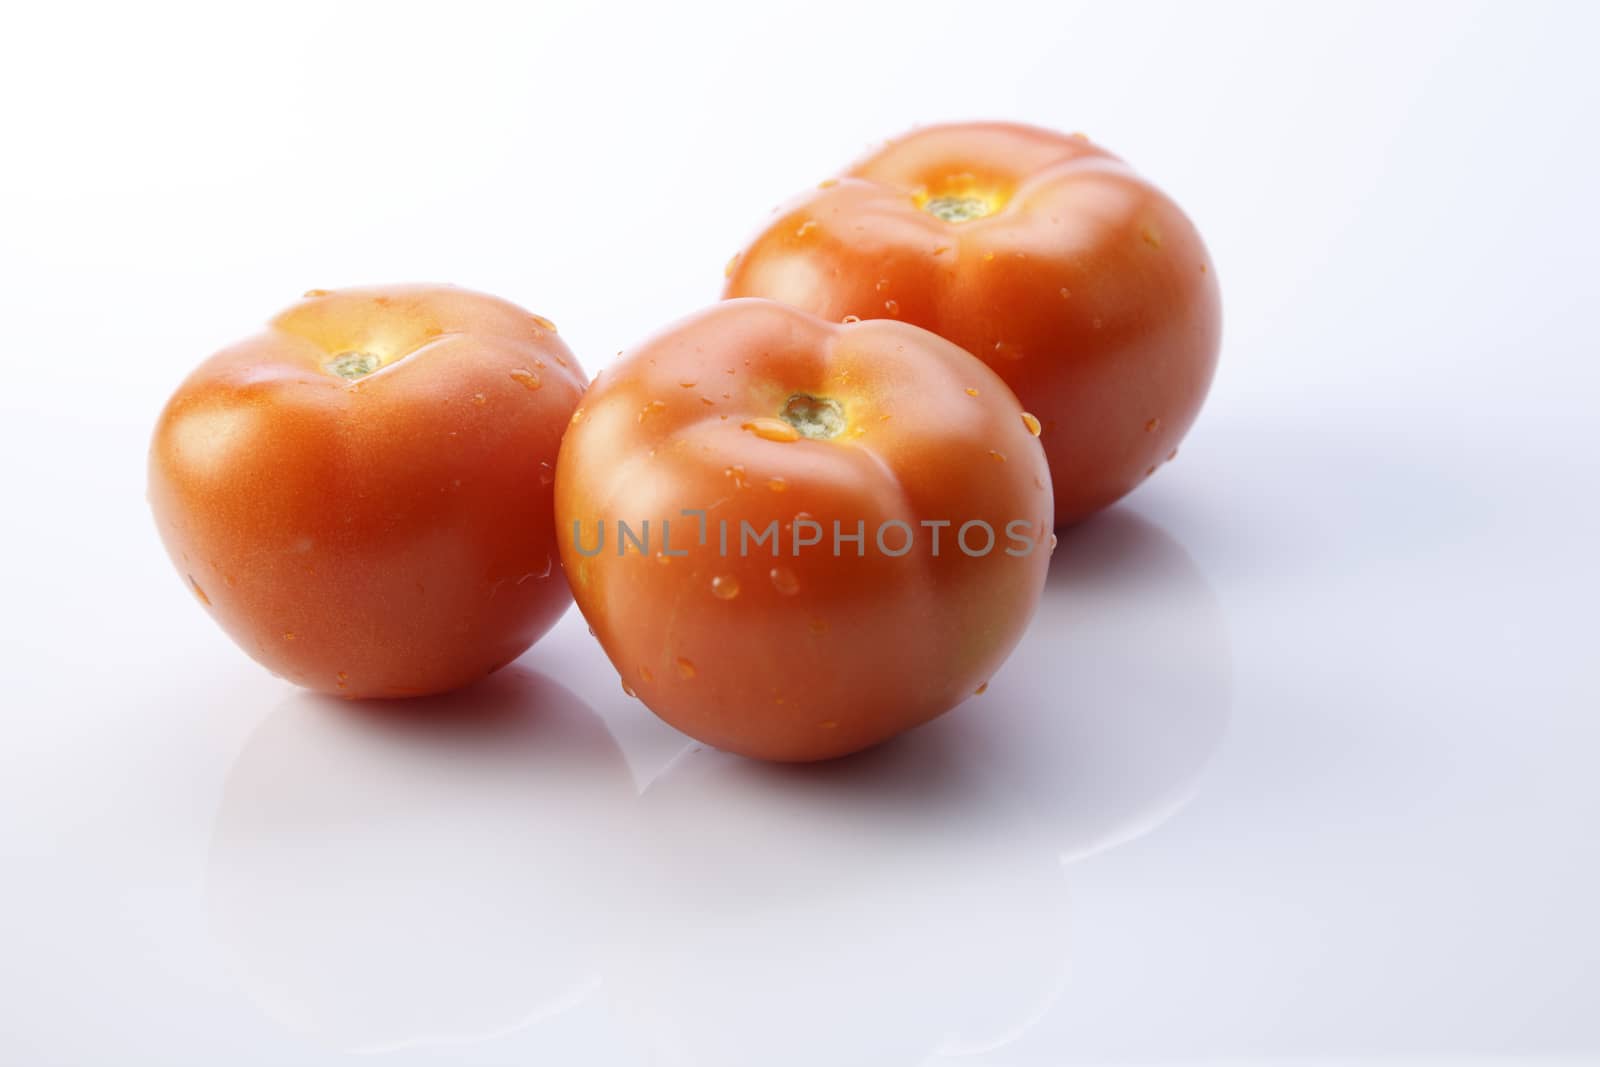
column 361, row 494
column 769, row 423
column 1079, row 282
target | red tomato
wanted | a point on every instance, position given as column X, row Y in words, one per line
column 790, row 517
column 361, row 495
column 1079, row 282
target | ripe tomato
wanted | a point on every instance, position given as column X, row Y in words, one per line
column 776, row 527
column 361, row 495
column 1079, row 282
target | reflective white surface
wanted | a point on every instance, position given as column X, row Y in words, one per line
column 1296, row 762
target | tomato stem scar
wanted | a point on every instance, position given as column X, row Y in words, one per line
column 957, row 208
column 816, row 417
column 352, row 365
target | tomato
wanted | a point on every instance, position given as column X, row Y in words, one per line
column 775, row 526
column 1079, row 282
column 361, row 495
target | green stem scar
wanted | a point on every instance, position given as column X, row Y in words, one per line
column 816, row 417
column 957, row 208
column 352, row 365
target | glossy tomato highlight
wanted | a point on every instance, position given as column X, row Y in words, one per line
column 1080, row 283
column 361, row 495
column 795, row 538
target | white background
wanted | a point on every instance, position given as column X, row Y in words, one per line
column 1298, row 760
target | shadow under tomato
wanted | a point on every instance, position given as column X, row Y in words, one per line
column 420, row 872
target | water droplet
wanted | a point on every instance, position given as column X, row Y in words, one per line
column 806, row 227
column 1149, row 472
column 850, row 319
column 777, row 485
column 988, row 257
column 725, row 587
column 1007, row 349
column 288, row 635
column 647, row 674
column 982, row 689
column 998, row 457
column 685, row 669
column 784, row 581
column 883, row 285
column 479, row 399
column 1202, row 268
column 526, row 378
column 827, row 183
column 771, row 429
column 628, row 689
column 651, row 408
column 690, row 384
column 324, row 292
column 971, row 391
column 892, row 306
column 544, row 324
column 546, row 473
column 940, row 250
column 342, row 680
column 1152, row 426
column 1031, row 421
column 577, row 416
column 1066, row 294
column 736, row 472
column 1172, row 455
column 199, row 594
column 1054, row 540
column 727, row 271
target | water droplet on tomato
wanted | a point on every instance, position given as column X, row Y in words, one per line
column 1031, row 421
column 725, row 587
column 526, row 378
column 771, row 429
column 784, row 581
column 685, row 669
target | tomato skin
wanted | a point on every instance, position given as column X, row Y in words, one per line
column 385, row 536
column 802, row 655
column 1086, row 288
